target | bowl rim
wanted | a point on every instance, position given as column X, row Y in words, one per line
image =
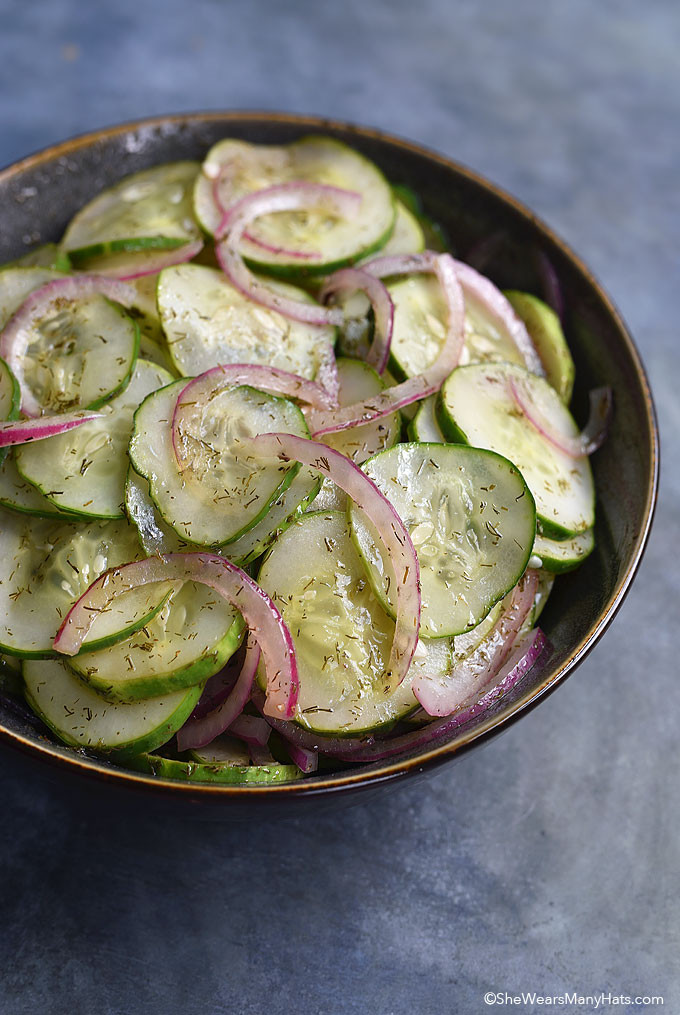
column 376, row 773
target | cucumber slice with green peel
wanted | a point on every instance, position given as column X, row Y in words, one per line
column 207, row 322
column 17, row 494
column 223, row 491
column 145, row 312
column 189, row 639
column 564, row 555
column 433, row 234
column 46, row 565
column 407, row 236
column 82, row 718
column 468, row 642
column 155, row 536
column 472, row 521
column 420, row 328
column 476, row 406
column 17, row 284
column 156, row 351
column 336, row 241
column 47, row 255
column 84, row 470
column 150, row 210
column 546, row 580
column 341, row 634
column 357, row 381
column 295, row 499
column 223, row 750
column 10, row 399
column 146, row 301
column 12, row 663
column 546, row 333
column 80, row 354
column 10, row 394
column 424, row 426
column 152, row 343
column 11, row 681
column 221, row 772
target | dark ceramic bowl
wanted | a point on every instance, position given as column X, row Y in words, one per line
column 40, row 194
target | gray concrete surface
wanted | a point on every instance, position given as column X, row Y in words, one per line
column 542, row 863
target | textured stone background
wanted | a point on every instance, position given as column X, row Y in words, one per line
column 543, row 862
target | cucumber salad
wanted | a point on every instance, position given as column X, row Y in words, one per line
column 282, row 487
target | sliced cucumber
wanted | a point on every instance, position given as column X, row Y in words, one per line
column 565, row 555
column 296, row 498
column 17, row 494
column 434, row 236
column 10, row 394
column 84, row 470
column 420, row 328
column 337, row 241
column 357, row 381
column 223, row 491
column 147, row 210
column 45, row 566
column 472, row 521
column 80, row 354
column 155, row 536
column 16, row 284
column 187, row 641
column 342, row 636
column 222, row 750
column 208, row 322
column 476, row 405
column 10, row 399
column 223, row 772
column 546, row 333
column 424, row 426
column 11, row 681
column 47, row 255
column 145, row 311
column 82, row 718
column 407, row 236
column 546, row 580
column 158, row 537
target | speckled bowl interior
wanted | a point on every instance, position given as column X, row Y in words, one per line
column 40, row 194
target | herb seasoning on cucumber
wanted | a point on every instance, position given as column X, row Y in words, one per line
column 241, row 550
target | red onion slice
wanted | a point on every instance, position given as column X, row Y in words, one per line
column 475, row 286
column 552, row 289
column 217, row 688
column 482, row 289
column 463, row 684
column 200, row 732
column 306, row 761
column 23, row 431
column 153, row 262
column 591, row 437
column 222, row 181
column 327, row 374
column 285, row 197
column 233, row 584
column 314, row 743
column 200, row 390
column 520, row 661
column 350, row 280
column 16, row 335
column 430, row 380
column 394, row 534
column 251, row 729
